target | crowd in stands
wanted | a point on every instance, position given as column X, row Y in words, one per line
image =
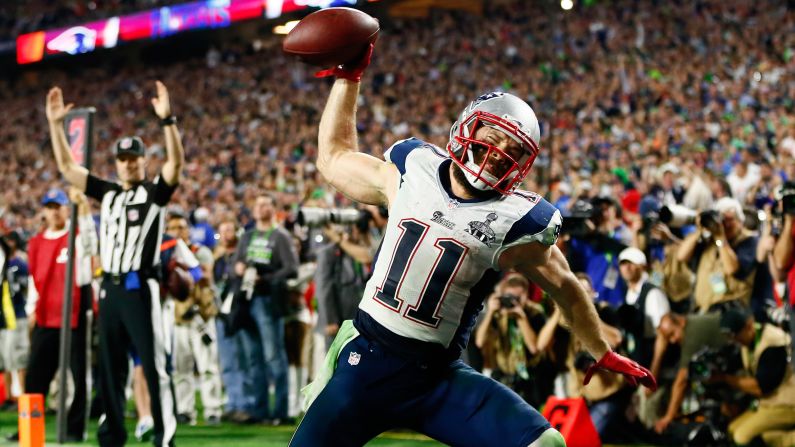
column 646, row 107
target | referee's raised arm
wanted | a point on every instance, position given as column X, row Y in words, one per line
column 75, row 174
column 175, row 154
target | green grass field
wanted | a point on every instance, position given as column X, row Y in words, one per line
column 224, row 435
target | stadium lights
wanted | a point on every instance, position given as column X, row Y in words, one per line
column 566, row 4
column 286, row 28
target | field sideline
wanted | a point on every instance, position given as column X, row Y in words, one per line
column 226, row 434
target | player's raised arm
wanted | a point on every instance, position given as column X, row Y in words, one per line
column 547, row 267
column 175, row 154
column 75, row 174
column 361, row 177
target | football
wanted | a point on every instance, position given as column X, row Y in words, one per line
column 331, row 37
column 179, row 283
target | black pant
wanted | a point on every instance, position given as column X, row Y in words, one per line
column 133, row 318
column 43, row 364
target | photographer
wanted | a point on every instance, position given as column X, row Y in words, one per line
column 769, row 376
column 595, row 243
column 644, row 307
column 194, row 337
column 341, row 276
column 723, row 255
column 692, row 333
column 604, row 393
column 508, row 341
column 784, row 250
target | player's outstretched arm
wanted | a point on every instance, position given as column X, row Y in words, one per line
column 75, row 174
column 361, row 177
column 547, row 267
column 175, row 154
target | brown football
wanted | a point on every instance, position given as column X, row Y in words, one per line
column 179, row 283
column 331, row 37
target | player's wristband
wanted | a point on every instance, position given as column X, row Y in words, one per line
column 168, row 121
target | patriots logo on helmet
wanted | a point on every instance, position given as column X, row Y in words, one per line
column 75, row 40
column 487, row 96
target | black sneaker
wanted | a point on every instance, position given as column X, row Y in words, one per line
column 13, row 437
column 184, row 419
column 75, row 438
column 213, row 421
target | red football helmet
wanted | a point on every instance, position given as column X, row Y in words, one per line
column 508, row 114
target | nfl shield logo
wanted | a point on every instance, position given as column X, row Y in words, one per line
column 353, row 358
column 132, row 215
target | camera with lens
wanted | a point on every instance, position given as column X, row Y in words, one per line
column 786, row 195
column 710, row 218
column 575, row 222
column 710, row 361
column 508, row 301
column 206, row 338
column 678, row 216
column 318, row 217
column 649, row 220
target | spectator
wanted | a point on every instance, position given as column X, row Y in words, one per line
column 48, row 259
column 722, row 253
column 195, row 347
column 230, row 337
column 645, row 305
column 202, row 232
column 267, row 252
column 768, row 376
column 14, row 343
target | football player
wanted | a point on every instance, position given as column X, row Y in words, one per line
column 456, row 219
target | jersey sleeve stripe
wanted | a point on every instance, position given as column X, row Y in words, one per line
column 533, row 222
column 400, row 151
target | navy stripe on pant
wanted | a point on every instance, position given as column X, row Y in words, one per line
column 373, row 390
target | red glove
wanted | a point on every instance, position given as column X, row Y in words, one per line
column 633, row 372
column 352, row 72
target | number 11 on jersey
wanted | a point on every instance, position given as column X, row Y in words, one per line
column 440, row 273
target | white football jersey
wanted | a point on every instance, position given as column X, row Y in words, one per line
column 436, row 248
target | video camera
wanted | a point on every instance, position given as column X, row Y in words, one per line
column 710, row 361
column 575, row 221
column 318, row 217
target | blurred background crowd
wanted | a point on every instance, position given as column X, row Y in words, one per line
column 668, row 144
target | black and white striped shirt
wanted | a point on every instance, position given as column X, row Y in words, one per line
column 131, row 223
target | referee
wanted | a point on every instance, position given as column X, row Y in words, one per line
column 131, row 229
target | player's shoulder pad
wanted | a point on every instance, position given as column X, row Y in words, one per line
column 540, row 223
column 399, row 152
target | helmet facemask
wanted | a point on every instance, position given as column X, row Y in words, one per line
column 466, row 152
